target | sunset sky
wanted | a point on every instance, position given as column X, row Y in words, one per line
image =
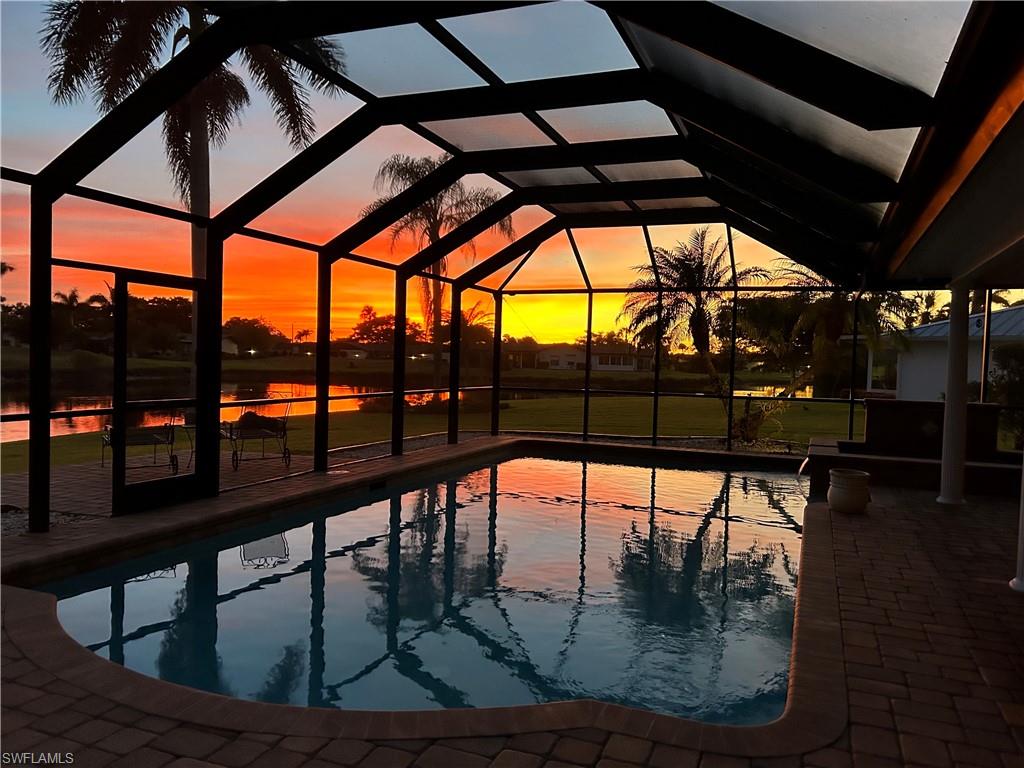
column 262, row 279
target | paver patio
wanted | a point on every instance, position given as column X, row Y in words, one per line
column 932, row 646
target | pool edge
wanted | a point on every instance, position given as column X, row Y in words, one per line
column 815, row 713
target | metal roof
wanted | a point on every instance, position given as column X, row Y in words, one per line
column 1007, row 325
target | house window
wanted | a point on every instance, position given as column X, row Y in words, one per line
column 602, row 359
column 554, row 361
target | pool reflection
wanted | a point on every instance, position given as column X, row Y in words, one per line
column 518, row 583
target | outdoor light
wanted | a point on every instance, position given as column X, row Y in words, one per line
column 252, row 351
column 309, row 354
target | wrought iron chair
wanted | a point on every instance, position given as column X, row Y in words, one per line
column 158, row 437
column 252, row 426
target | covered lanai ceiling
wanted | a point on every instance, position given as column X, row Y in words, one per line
column 860, row 139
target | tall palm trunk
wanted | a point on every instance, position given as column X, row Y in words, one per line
column 199, row 182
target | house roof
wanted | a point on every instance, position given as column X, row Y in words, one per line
column 1007, row 325
column 561, row 347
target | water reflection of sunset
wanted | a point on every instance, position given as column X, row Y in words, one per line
column 528, row 581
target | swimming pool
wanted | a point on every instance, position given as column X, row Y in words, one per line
column 526, row 581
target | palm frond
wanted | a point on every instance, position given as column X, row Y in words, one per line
column 277, row 75
column 105, row 49
column 178, row 145
column 329, row 54
column 224, row 95
column 134, row 54
column 73, row 34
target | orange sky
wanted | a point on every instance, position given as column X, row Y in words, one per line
column 279, row 283
column 262, row 279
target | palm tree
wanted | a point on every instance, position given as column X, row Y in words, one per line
column 4, row 269
column 829, row 314
column 929, row 310
column 71, row 300
column 978, row 300
column 302, row 335
column 691, row 275
column 107, row 49
column 429, row 222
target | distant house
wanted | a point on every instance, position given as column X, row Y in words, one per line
column 573, row 357
column 921, row 366
column 621, row 357
column 228, row 346
column 520, row 355
column 564, row 357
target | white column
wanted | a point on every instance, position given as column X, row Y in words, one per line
column 954, row 424
column 1017, row 582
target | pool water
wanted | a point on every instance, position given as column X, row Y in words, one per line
column 527, row 581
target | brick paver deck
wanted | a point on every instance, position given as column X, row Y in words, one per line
column 931, row 653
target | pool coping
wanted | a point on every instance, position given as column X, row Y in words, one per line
column 815, row 714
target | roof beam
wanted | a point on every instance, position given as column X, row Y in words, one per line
column 298, row 170
column 734, row 125
column 511, row 202
column 462, row 234
column 623, row 190
column 591, row 152
column 803, row 242
column 305, row 18
column 775, row 145
column 662, row 217
column 832, row 216
column 510, row 253
column 811, row 74
column 142, row 106
column 601, row 152
column 530, row 95
column 798, row 251
column 393, row 210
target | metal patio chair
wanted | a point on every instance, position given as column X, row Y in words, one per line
column 252, row 426
column 159, row 437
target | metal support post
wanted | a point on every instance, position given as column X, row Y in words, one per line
column 986, row 347
column 40, row 296
column 322, row 419
column 954, row 421
column 729, row 427
column 1017, row 583
column 496, row 367
column 119, row 419
column 658, row 332
column 853, row 367
column 398, row 369
column 209, row 312
column 588, row 365
column 454, row 355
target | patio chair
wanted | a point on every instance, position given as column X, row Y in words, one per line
column 252, row 426
column 158, row 437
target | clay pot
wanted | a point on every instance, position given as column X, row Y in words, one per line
column 848, row 491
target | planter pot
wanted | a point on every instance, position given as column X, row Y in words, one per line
column 848, row 491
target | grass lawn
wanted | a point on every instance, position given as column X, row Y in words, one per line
column 609, row 415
